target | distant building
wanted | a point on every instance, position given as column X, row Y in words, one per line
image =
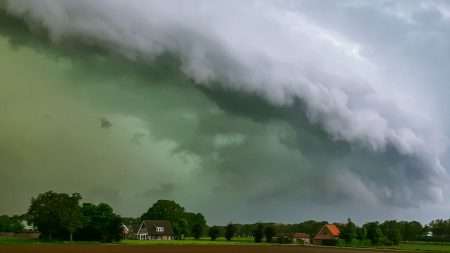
column 125, row 231
column 328, row 235
column 27, row 227
column 155, row 230
column 301, row 238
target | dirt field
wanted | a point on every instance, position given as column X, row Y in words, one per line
column 170, row 249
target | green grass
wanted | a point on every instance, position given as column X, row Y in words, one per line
column 192, row 241
column 15, row 241
column 19, row 241
column 427, row 247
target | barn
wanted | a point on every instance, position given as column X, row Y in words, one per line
column 328, row 235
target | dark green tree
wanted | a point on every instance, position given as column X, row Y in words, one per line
column 55, row 214
column 348, row 231
column 269, row 233
column 71, row 219
column 197, row 231
column 194, row 219
column 164, row 210
column 10, row 224
column 214, row 232
column 182, row 222
column 411, row 231
column 247, row 230
column 391, row 230
column 258, row 233
column 310, row 227
column 100, row 223
column 361, row 233
column 230, row 230
column 374, row 233
column 440, row 229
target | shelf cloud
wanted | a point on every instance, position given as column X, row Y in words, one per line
column 333, row 103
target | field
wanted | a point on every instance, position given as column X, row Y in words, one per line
column 428, row 247
column 191, row 241
column 244, row 245
column 79, row 248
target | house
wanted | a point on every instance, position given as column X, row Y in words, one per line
column 328, row 235
column 301, row 238
column 155, row 230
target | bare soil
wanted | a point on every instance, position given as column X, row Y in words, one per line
column 172, row 249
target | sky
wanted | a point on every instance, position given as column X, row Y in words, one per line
column 244, row 111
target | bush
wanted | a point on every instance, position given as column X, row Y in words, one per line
column 341, row 243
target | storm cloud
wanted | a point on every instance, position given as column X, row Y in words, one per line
column 301, row 104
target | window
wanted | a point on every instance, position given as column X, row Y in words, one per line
column 160, row 229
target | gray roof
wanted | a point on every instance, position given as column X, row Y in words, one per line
column 149, row 226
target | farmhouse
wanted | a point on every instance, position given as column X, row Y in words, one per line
column 301, row 238
column 155, row 230
column 328, row 235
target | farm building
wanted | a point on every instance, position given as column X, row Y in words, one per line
column 328, row 235
column 155, row 230
column 301, row 238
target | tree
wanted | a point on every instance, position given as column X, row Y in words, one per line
column 361, row 233
column 55, row 214
column 374, row 233
column 258, row 233
column 182, row 222
column 269, row 233
column 197, row 231
column 194, row 220
column 10, row 224
column 71, row 219
column 164, row 210
column 214, row 232
column 348, row 231
column 391, row 230
column 310, row 227
column 411, row 231
column 100, row 223
column 230, row 230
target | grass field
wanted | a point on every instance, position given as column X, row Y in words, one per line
column 408, row 247
column 191, row 241
column 428, row 247
column 15, row 241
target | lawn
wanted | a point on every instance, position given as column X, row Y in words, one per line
column 423, row 246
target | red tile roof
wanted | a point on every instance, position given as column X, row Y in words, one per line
column 334, row 230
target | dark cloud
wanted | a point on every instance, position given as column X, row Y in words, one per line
column 209, row 129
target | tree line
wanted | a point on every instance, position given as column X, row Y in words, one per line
column 60, row 216
column 389, row 232
column 11, row 224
